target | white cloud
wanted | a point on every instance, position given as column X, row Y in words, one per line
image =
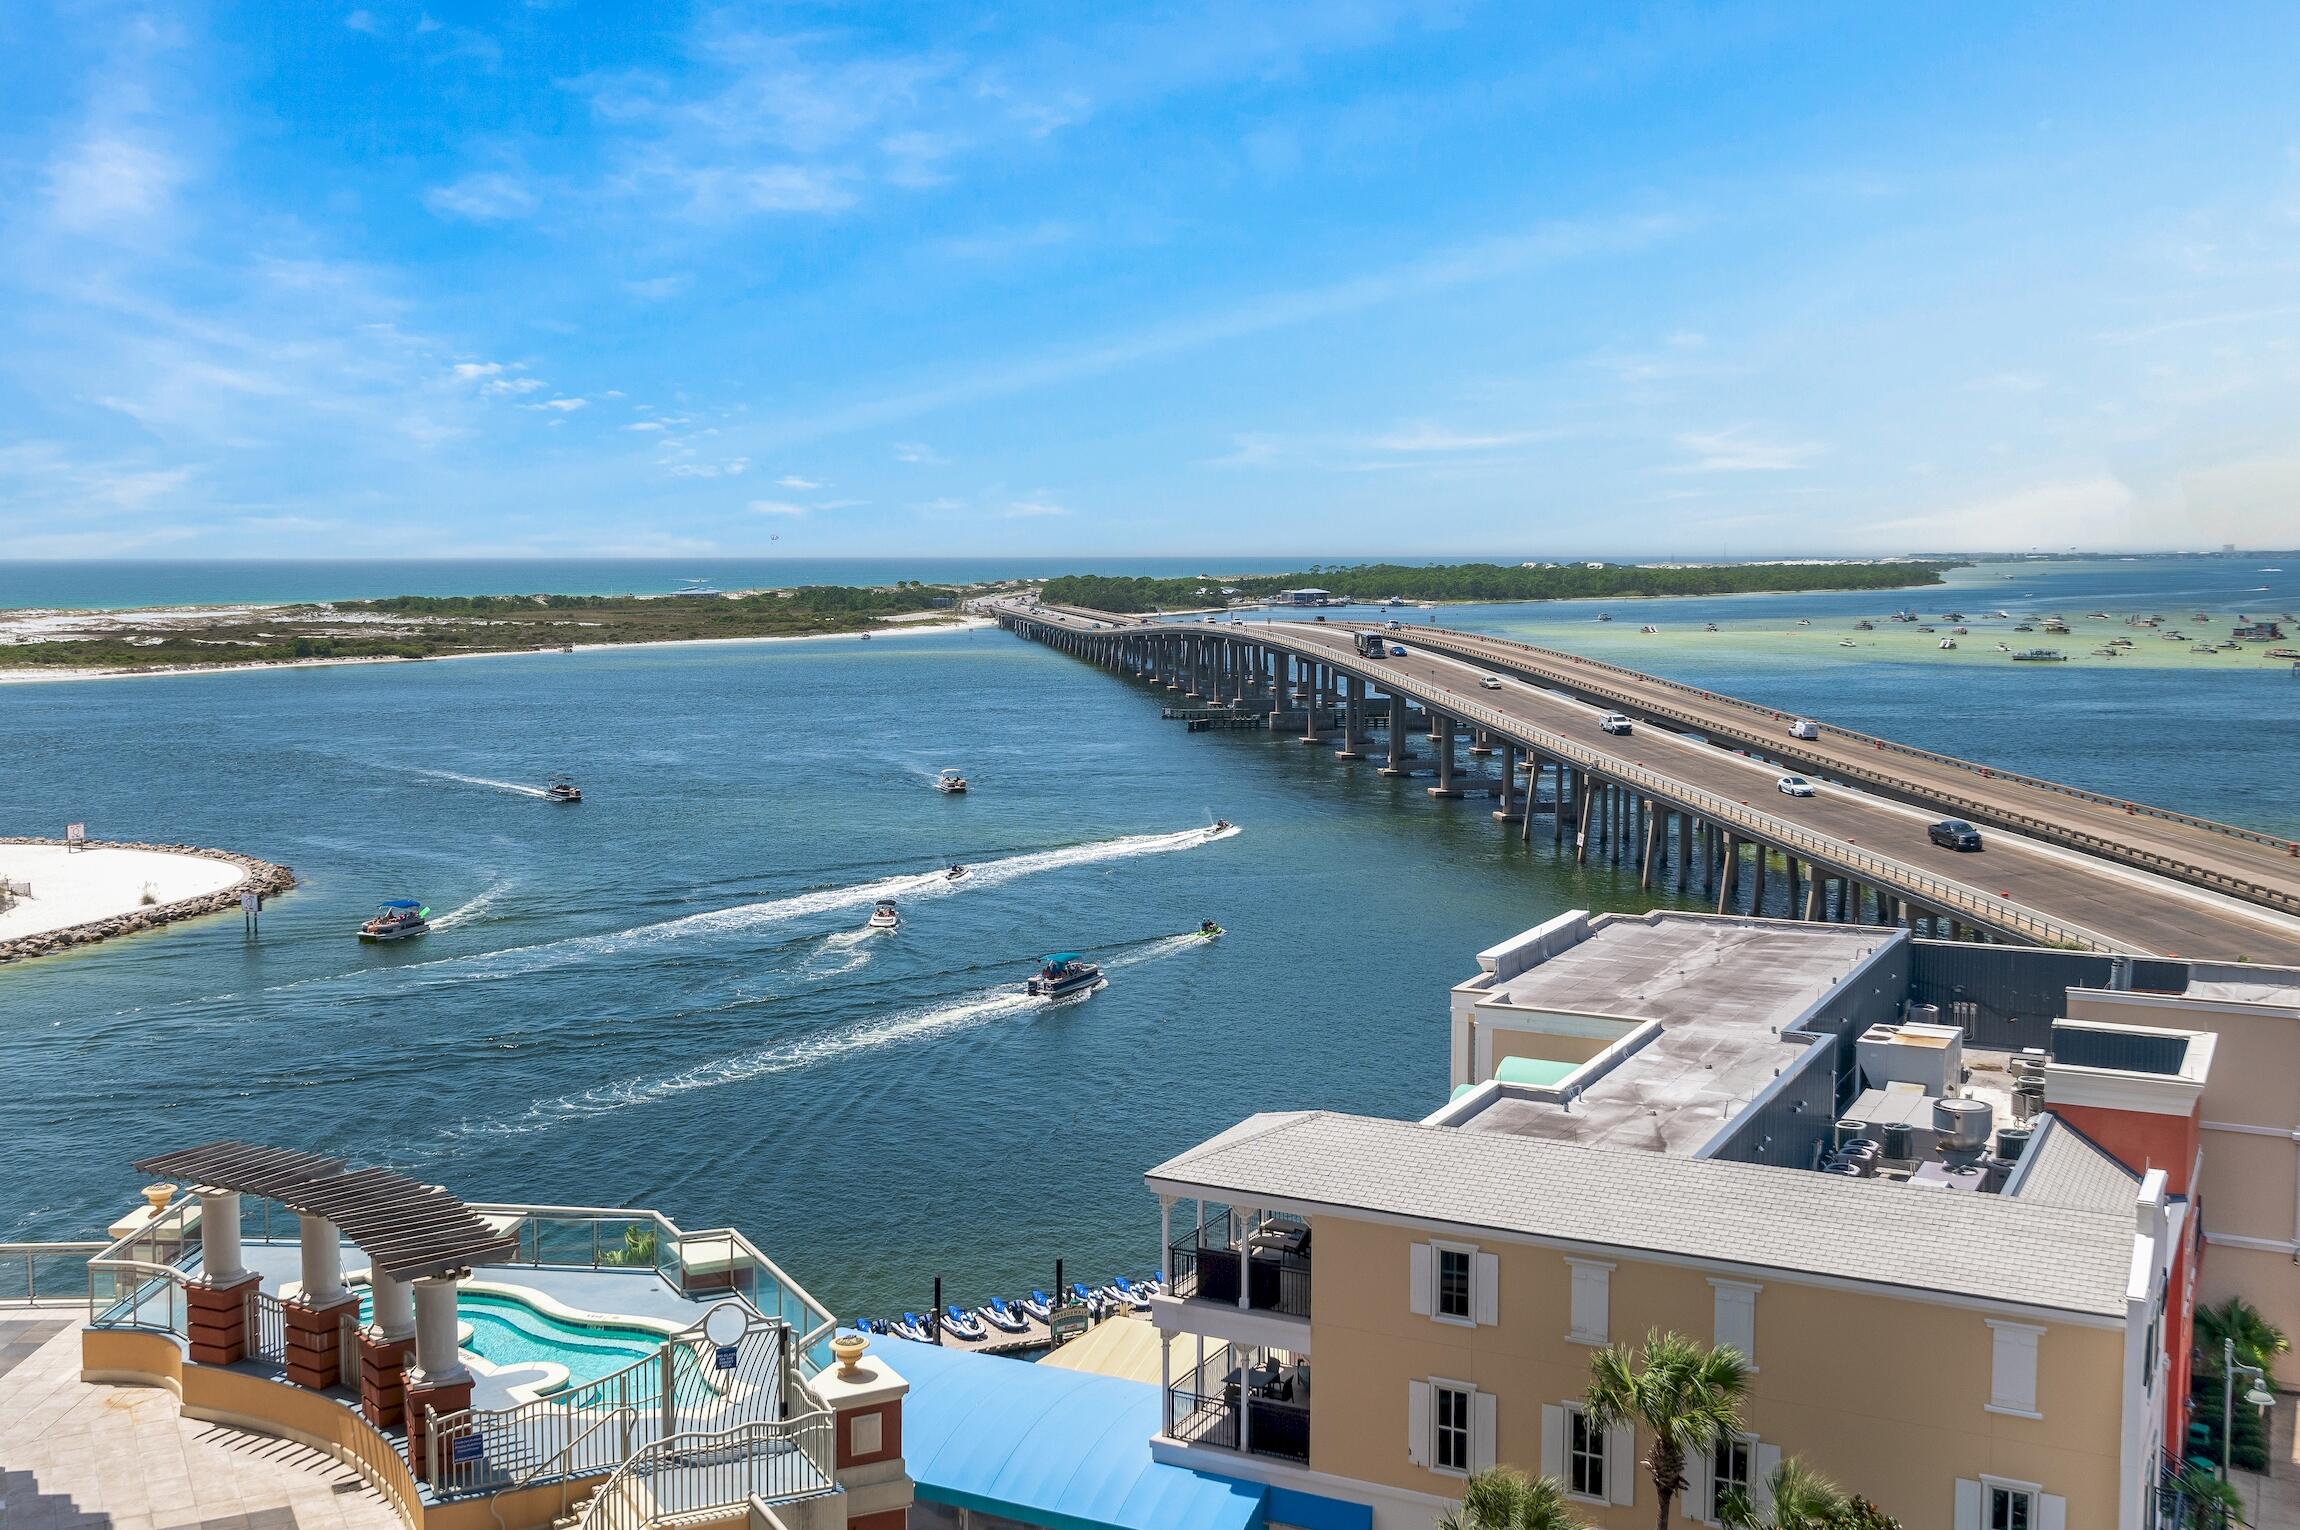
column 777, row 507
column 645, row 425
column 917, row 452
column 793, row 481
column 487, row 196
column 563, row 405
column 364, row 21
column 1737, row 451
column 111, row 180
column 468, row 370
column 511, row 387
column 1434, row 438
column 1032, row 509
column 655, row 289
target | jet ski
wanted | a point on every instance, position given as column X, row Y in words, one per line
column 962, row 1323
column 1209, row 929
column 1002, row 1317
column 1037, row 1307
column 911, row 1326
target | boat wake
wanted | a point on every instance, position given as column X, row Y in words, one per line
column 474, row 908
column 501, row 786
column 839, row 953
column 973, row 1010
column 743, row 917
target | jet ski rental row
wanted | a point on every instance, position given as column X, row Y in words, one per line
column 1000, row 1319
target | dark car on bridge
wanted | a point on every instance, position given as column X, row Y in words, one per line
column 1954, row 834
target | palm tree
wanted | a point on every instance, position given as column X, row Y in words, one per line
column 2258, row 1341
column 1680, row 1391
column 1803, row 1499
column 1507, row 1499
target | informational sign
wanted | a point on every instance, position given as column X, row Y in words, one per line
column 467, row 1448
column 75, row 834
column 248, row 903
column 1067, row 1322
column 727, row 1354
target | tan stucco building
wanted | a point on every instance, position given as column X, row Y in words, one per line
column 1960, row 1261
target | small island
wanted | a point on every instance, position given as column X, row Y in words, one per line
column 1491, row 582
column 414, row 627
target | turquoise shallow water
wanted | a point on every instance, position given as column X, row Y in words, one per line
column 663, row 997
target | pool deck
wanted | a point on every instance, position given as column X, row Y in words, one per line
column 605, row 1293
column 82, row 1456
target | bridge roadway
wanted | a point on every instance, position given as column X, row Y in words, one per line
column 2022, row 885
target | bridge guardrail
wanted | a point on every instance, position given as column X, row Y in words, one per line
column 1988, row 812
column 1845, row 856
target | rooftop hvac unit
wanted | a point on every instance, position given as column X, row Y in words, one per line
column 1921, row 1014
column 1930, row 1056
column 2013, row 1141
column 2027, row 1098
column 1847, row 1131
column 1896, row 1140
column 1963, row 1124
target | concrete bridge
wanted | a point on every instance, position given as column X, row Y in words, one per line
column 1690, row 798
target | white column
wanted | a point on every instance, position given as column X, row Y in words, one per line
column 220, row 1236
column 436, row 1361
column 1244, row 1217
column 393, row 1317
column 322, row 1261
column 1166, row 1240
column 1166, row 1380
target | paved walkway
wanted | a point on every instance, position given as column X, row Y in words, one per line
column 80, row 1457
column 2272, row 1502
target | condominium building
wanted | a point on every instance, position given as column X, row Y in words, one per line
column 1943, row 1198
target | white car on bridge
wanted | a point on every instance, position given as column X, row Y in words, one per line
column 1490, row 683
column 1795, row 786
column 1614, row 722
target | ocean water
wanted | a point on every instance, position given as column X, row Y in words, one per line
column 665, row 996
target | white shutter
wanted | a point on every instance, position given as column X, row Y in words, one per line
column 2012, row 1367
column 1418, row 1280
column 1418, row 1422
column 1621, row 1463
column 1592, row 1300
column 1700, row 1465
column 2051, row 1512
column 1764, row 1461
column 1553, row 1441
column 1736, row 1304
column 1968, row 1504
column 1485, row 1288
column 1481, row 1411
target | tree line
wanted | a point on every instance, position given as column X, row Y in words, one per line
column 1489, row 582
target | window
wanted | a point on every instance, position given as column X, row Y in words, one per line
column 1584, row 1456
column 1449, row 1441
column 2011, row 1508
column 1729, row 1472
column 1453, row 1268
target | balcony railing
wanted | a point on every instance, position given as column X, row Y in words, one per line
column 45, row 1274
column 1253, row 1410
column 1275, row 1258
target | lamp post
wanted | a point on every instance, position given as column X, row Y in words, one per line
column 2256, row 1395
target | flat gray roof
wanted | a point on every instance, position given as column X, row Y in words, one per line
column 1723, row 991
column 1675, row 968
column 1981, row 1247
column 2287, row 994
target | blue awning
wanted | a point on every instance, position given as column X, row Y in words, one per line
column 1064, row 1449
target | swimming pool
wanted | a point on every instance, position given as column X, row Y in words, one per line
column 508, row 1331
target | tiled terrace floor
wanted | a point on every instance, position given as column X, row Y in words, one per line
column 83, row 1457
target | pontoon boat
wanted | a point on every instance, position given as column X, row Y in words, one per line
column 1066, row 974
column 949, row 781
column 396, row 919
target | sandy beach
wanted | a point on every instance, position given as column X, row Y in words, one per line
column 75, row 887
column 916, row 622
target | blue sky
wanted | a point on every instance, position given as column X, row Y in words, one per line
column 1339, row 277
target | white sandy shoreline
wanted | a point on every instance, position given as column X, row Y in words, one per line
column 45, row 675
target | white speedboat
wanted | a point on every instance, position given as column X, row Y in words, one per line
column 883, row 915
column 949, row 781
column 562, row 789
